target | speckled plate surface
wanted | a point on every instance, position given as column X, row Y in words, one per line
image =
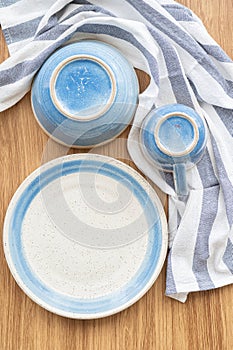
column 85, row 236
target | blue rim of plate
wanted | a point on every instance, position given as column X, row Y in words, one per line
column 86, row 134
column 59, row 303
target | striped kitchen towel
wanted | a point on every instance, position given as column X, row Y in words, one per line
column 170, row 43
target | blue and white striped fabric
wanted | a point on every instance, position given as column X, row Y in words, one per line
column 168, row 41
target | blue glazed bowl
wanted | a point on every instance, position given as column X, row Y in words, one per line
column 174, row 137
column 85, row 94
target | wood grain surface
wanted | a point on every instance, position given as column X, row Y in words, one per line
column 155, row 322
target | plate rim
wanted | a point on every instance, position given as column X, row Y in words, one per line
column 13, row 268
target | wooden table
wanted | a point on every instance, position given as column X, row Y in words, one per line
column 155, row 322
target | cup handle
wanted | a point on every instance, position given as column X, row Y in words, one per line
column 180, row 179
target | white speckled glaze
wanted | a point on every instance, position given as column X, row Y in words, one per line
column 85, row 275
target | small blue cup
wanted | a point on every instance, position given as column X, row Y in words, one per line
column 174, row 138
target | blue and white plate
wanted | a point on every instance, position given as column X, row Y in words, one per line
column 85, row 236
column 85, row 94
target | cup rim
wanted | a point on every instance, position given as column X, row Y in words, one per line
column 55, row 74
column 189, row 149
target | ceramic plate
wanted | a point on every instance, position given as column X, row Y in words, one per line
column 85, row 94
column 85, row 236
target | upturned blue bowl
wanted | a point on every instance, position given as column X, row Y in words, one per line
column 85, row 94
